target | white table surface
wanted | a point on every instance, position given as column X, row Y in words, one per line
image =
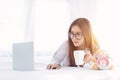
column 65, row 73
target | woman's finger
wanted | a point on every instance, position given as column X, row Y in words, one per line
column 49, row 66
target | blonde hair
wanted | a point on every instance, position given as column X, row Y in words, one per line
column 91, row 42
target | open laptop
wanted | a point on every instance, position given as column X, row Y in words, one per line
column 23, row 56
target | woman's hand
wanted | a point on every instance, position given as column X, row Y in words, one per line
column 87, row 58
column 53, row 66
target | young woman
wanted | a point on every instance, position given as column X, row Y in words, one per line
column 80, row 37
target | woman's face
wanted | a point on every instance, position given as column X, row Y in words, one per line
column 77, row 36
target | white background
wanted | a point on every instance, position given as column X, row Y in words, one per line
column 46, row 22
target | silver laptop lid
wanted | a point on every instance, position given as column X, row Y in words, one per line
column 23, row 56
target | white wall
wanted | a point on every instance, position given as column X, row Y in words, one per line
column 51, row 25
column 11, row 24
column 22, row 20
column 83, row 8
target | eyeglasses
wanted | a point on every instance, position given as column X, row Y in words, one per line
column 77, row 35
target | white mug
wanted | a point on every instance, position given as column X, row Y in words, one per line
column 79, row 57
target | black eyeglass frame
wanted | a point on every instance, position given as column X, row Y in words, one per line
column 77, row 35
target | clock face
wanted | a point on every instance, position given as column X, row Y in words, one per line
column 103, row 63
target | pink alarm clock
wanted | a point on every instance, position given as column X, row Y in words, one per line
column 103, row 62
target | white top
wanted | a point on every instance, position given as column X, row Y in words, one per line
column 61, row 57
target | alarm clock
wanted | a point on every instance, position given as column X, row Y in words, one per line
column 103, row 62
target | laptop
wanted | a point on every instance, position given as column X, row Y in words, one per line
column 23, row 56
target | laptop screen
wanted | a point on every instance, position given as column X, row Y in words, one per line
column 23, row 56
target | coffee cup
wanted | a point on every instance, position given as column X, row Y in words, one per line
column 79, row 57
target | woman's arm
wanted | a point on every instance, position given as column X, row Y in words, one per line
column 58, row 57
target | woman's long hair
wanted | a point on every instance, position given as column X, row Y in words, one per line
column 91, row 42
